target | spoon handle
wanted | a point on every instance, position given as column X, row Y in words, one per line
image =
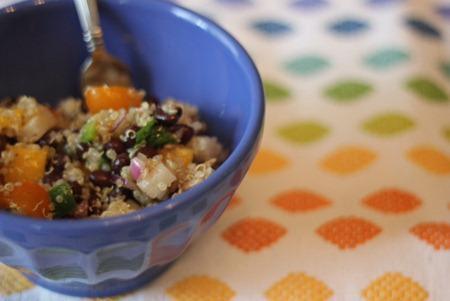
column 90, row 23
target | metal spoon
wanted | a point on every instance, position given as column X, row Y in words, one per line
column 101, row 67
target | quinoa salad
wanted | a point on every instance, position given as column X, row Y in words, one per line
column 111, row 153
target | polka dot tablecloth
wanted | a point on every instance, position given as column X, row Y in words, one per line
column 349, row 196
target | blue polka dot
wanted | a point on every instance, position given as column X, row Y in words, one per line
column 309, row 4
column 423, row 28
column 271, row 27
column 444, row 11
column 383, row 2
column 234, row 2
column 348, row 26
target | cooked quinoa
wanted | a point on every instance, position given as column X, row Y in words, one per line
column 102, row 163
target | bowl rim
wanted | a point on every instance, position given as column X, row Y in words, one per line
column 244, row 146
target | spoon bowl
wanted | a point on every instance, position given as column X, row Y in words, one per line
column 101, row 68
column 104, row 69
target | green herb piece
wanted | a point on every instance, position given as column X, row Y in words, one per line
column 62, row 199
column 88, row 132
column 104, row 163
column 145, row 132
column 161, row 138
column 153, row 135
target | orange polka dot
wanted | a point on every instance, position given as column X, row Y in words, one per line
column 394, row 287
column 299, row 287
column 392, row 201
column 435, row 234
column 200, row 288
column 268, row 161
column 299, row 201
column 430, row 159
column 253, row 234
column 348, row 160
column 348, row 232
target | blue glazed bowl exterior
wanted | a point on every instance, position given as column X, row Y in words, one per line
column 172, row 52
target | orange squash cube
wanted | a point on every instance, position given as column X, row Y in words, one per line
column 114, row 97
column 28, row 198
column 27, row 163
column 179, row 154
column 11, row 121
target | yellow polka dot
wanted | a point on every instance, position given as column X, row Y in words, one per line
column 268, row 161
column 430, row 159
column 394, row 287
column 349, row 159
column 299, row 287
column 200, row 288
column 12, row 281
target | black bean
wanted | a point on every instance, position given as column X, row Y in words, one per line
column 128, row 193
column 116, row 145
column 121, row 192
column 130, row 142
column 148, row 151
column 166, row 118
column 3, row 142
column 11, row 140
column 120, row 161
column 183, row 132
column 58, row 160
column 102, row 178
column 77, row 190
column 56, row 167
column 81, row 148
column 53, row 176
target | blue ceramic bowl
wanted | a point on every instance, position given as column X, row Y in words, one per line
column 172, row 52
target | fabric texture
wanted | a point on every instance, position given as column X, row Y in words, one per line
column 349, row 196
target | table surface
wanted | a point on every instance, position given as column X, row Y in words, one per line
column 349, row 197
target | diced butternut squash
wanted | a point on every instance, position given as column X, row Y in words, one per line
column 114, row 97
column 28, row 198
column 179, row 154
column 11, row 120
column 27, row 163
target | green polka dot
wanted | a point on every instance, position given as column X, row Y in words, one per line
column 275, row 92
column 385, row 58
column 307, row 65
column 427, row 90
column 445, row 67
column 303, row 132
column 388, row 124
column 446, row 133
column 348, row 91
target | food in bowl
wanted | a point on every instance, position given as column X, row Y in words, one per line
column 114, row 153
